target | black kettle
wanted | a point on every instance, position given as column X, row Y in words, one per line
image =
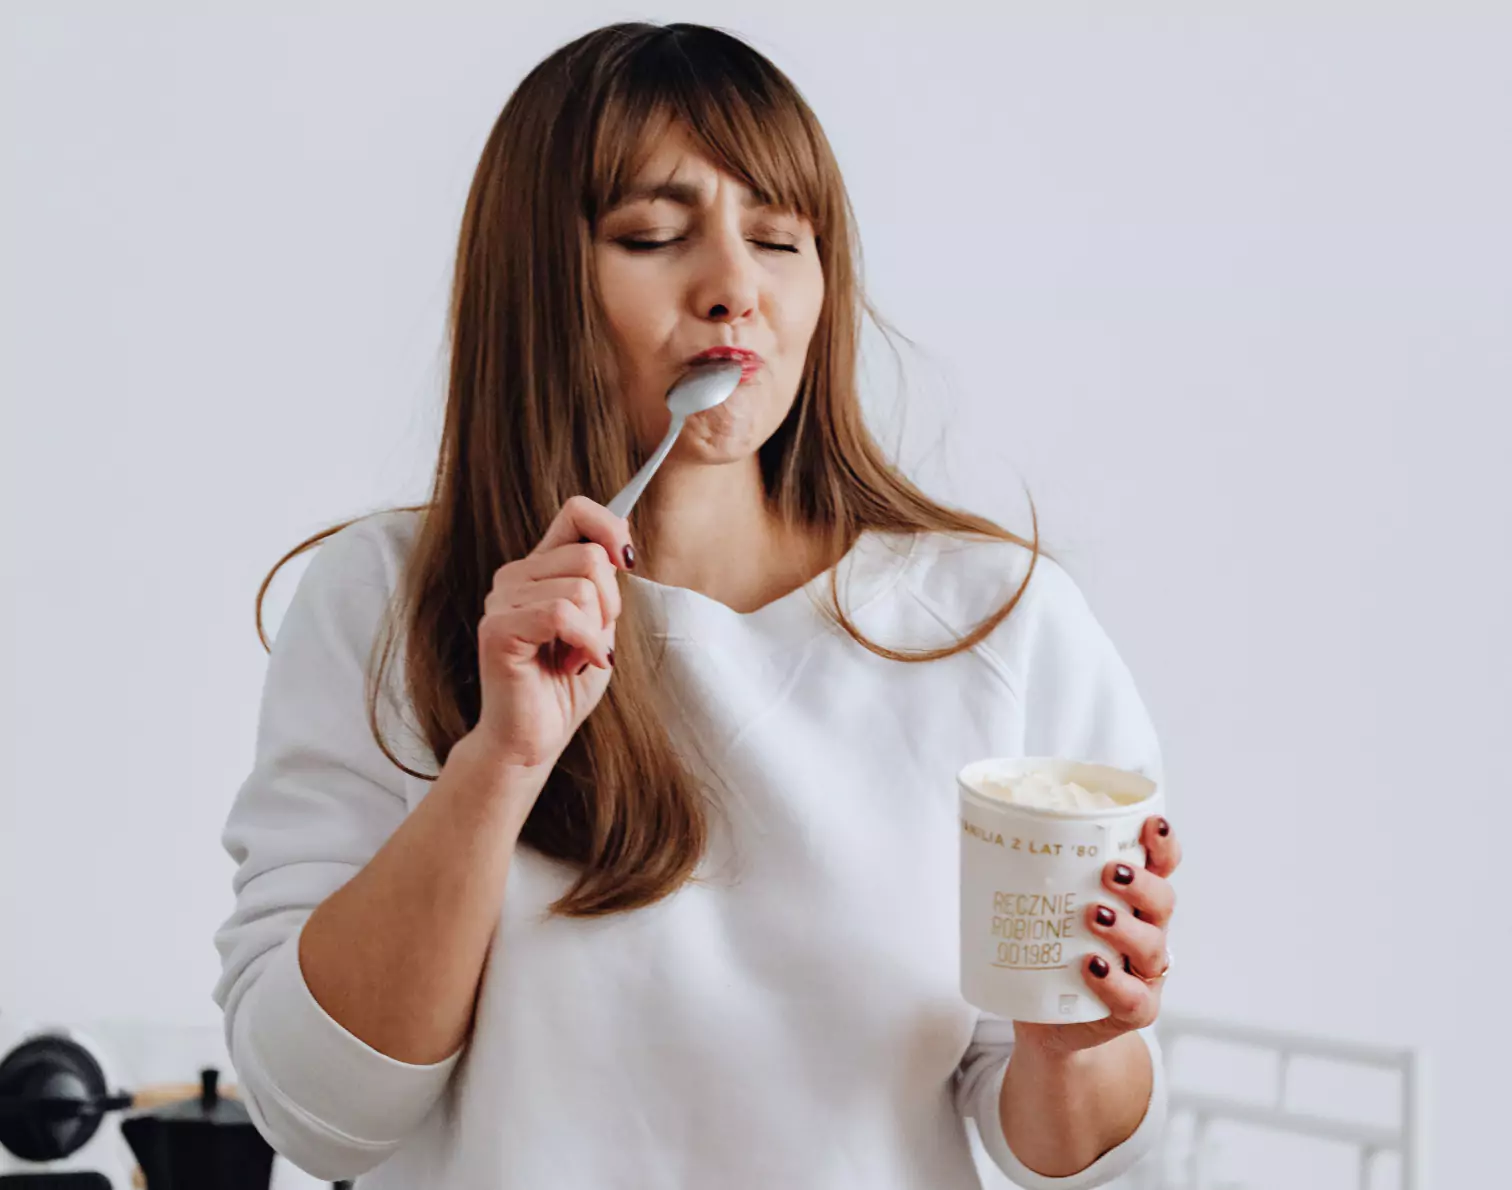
column 209, row 1143
column 53, row 1097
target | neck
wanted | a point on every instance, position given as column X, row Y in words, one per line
column 715, row 533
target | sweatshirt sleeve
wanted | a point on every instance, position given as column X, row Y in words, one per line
column 320, row 800
column 1079, row 700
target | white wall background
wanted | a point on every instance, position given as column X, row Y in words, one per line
column 1229, row 286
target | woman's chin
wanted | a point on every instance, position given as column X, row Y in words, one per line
column 727, row 433
column 714, row 449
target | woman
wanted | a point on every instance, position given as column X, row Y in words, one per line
column 589, row 853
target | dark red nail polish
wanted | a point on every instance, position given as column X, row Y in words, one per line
column 1162, row 828
column 629, row 556
column 583, row 670
column 1105, row 916
column 1099, row 966
column 1123, row 874
column 611, row 658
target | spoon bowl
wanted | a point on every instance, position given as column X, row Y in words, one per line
column 705, row 387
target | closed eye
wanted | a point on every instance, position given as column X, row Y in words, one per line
column 646, row 245
column 634, row 244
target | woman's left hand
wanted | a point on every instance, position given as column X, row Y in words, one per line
column 1133, row 920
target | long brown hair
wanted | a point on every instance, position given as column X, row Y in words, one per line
column 532, row 419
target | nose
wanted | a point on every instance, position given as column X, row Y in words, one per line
column 725, row 288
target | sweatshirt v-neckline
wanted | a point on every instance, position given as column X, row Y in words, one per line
column 688, row 614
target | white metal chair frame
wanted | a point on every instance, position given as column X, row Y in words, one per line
column 1406, row 1139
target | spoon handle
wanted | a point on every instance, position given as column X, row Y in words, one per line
column 626, row 497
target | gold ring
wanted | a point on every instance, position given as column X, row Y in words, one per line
column 1152, row 979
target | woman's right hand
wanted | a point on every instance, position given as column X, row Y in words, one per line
column 546, row 640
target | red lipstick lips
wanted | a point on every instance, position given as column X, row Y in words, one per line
column 748, row 360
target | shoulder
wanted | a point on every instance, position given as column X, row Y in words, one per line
column 964, row 580
column 930, row 590
column 365, row 556
column 1077, row 698
column 375, row 546
column 352, row 576
column 1051, row 629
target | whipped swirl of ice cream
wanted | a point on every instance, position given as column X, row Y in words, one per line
column 1041, row 792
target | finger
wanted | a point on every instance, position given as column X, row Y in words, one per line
column 1150, row 896
column 585, row 560
column 1143, row 944
column 520, row 632
column 1162, row 851
column 582, row 593
column 1132, row 1002
column 581, row 519
column 564, row 658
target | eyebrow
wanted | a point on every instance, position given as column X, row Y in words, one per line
column 684, row 194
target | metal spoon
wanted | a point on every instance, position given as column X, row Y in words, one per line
column 702, row 389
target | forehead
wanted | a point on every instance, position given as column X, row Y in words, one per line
column 657, row 156
column 671, row 167
column 667, row 149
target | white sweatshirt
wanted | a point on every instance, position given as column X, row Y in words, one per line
column 793, row 1018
